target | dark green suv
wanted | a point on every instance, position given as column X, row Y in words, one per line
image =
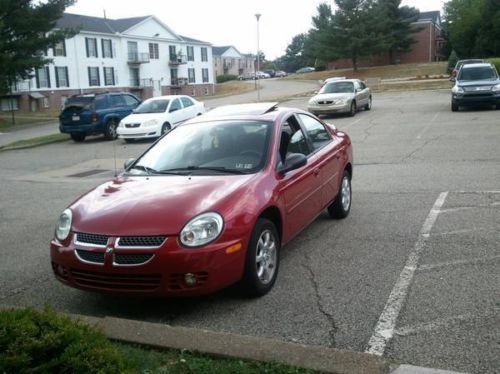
column 93, row 114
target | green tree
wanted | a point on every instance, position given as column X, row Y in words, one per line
column 295, row 56
column 488, row 36
column 320, row 45
column 397, row 28
column 26, row 32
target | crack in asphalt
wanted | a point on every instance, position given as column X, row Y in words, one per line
column 321, row 308
column 419, row 148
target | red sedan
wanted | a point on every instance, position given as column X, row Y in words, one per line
column 210, row 204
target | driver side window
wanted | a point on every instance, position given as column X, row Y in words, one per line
column 292, row 139
column 176, row 105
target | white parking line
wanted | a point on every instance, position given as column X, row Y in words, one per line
column 457, row 262
column 427, row 126
column 384, row 329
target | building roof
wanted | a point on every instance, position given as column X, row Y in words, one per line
column 105, row 25
column 434, row 16
column 219, row 51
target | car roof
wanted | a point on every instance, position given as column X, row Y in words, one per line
column 166, row 97
column 477, row 65
column 341, row 80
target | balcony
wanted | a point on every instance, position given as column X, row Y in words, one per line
column 138, row 58
column 178, row 82
column 21, row 86
column 141, row 83
column 176, row 60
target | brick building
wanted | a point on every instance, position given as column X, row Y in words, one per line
column 228, row 60
column 428, row 45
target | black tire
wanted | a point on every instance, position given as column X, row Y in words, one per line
column 369, row 105
column 498, row 106
column 110, row 132
column 252, row 283
column 454, row 107
column 165, row 128
column 129, row 140
column 78, row 137
column 341, row 206
column 352, row 111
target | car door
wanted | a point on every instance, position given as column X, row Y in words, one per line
column 300, row 188
column 175, row 112
column 327, row 148
column 189, row 110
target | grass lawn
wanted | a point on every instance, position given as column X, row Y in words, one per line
column 25, row 119
column 34, row 142
column 233, row 88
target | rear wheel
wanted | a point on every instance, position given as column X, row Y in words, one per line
column 110, row 132
column 262, row 259
column 369, row 105
column 454, row 107
column 78, row 137
column 352, row 111
column 341, row 206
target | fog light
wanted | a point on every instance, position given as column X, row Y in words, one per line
column 190, row 279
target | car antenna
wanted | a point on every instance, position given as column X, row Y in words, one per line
column 114, row 157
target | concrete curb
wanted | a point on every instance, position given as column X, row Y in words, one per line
column 327, row 360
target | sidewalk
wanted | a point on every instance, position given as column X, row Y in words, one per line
column 14, row 134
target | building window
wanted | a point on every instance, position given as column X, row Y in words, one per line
column 46, row 102
column 107, row 48
column 43, row 77
column 94, row 76
column 154, row 52
column 91, row 47
column 204, row 73
column 171, row 52
column 190, row 53
column 204, row 55
column 8, row 104
column 109, row 76
column 60, row 49
column 191, row 77
column 62, row 76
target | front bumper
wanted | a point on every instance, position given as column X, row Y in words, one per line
column 329, row 108
column 138, row 132
column 490, row 98
column 163, row 274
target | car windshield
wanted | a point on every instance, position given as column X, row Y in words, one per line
column 152, row 106
column 337, row 87
column 476, row 74
column 233, row 147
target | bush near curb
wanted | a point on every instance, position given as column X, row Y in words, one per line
column 226, row 77
column 42, row 341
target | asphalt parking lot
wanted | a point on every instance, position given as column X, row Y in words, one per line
column 412, row 273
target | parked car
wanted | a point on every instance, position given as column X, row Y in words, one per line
column 93, row 114
column 332, row 79
column 476, row 84
column 270, row 72
column 262, row 75
column 341, row 96
column 209, row 204
column 280, row 73
column 247, row 76
column 306, row 69
column 461, row 63
column 155, row 116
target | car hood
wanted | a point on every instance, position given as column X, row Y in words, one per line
column 156, row 205
column 141, row 117
column 487, row 82
column 332, row 96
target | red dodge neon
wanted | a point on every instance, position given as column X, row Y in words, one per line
column 209, row 204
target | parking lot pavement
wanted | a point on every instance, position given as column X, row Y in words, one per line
column 336, row 278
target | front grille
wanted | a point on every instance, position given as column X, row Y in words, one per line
column 132, row 259
column 325, row 102
column 141, row 241
column 477, row 89
column 176, row 281
column 125, row 282
column 91, row 256
column 92, row 239
column 132, row 125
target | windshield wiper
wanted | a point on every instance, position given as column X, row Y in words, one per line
column 221, row 169
column 147, row 169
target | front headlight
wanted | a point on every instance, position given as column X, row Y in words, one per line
column 496, row 88
column 457, row 89
column 63, row 226
column 202, row 229
column 151, row 122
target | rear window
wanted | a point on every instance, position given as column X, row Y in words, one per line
column 79, row 101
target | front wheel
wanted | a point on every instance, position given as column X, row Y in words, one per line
column 454, row 107
column 110, row 132
column 262, row 259
column 165, row 128
column 341, row 206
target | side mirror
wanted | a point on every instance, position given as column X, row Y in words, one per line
column 293, row 161
column 127, row 163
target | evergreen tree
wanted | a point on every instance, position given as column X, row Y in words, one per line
column 26, row 32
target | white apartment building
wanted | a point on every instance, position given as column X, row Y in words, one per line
column 140, row 55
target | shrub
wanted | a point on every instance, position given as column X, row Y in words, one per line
column 452, row 61
column 33, row 341
column 495, row 61
column 226, row 77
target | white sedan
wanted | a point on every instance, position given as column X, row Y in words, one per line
column 156, row 116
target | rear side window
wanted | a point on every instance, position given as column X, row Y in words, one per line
column 117, row 100
column 187, row 102
column 100, row 102
column 130, row 100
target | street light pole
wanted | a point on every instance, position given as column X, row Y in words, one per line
column 258, row 59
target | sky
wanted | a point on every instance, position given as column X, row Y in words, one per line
column 227, row 22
